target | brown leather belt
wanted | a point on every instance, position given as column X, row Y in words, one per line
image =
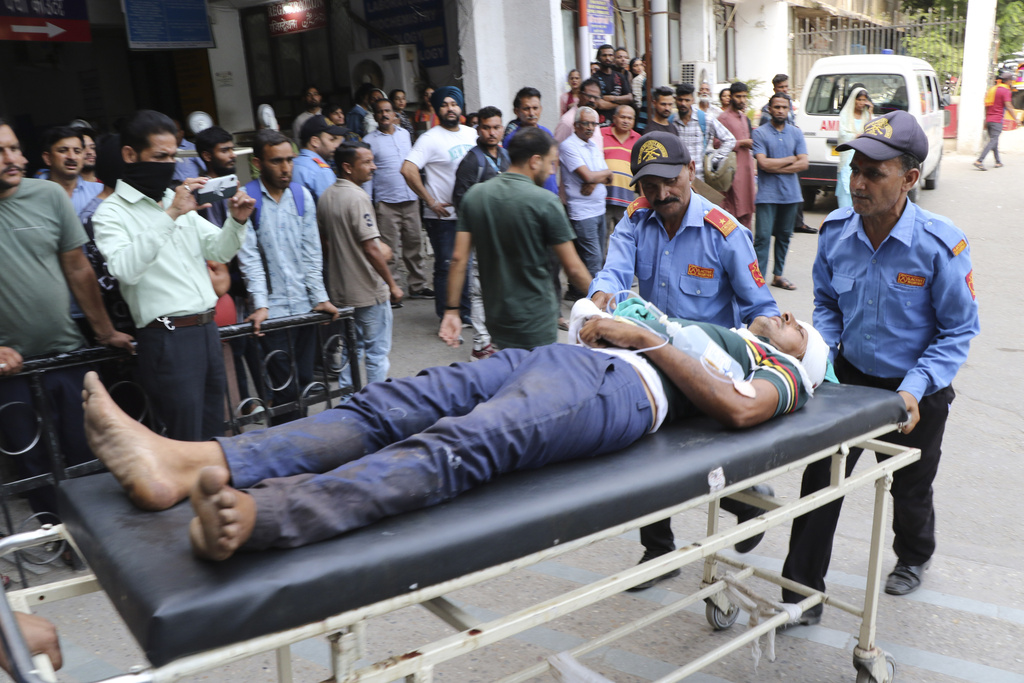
column 182, row 321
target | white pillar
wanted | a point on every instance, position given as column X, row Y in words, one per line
column 583, row 48
column 501, row 53
column 976, row 76
column 659, row 42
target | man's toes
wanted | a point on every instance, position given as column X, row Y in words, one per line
column 212, row 480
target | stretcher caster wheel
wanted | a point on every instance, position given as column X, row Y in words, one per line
column 868, row 675
column 719, row 619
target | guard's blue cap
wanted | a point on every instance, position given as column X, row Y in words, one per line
column 889, row 136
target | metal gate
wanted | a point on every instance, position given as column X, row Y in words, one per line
column 934, row 36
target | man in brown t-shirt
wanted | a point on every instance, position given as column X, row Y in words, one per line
column 356, row 260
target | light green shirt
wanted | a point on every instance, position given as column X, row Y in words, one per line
column 160, row 264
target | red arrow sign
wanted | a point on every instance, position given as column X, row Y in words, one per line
column 47, row 30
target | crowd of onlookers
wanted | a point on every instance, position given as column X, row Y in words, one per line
column 334, row 219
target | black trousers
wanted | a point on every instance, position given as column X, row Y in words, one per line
column 810, row 544
column 657, row 538
column 182, row 373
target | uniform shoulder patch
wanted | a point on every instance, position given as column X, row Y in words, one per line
column 944, row 231
column 321, row 163
column 638, row 203
column 755, row 272
column 721, row 221
column 969, row 279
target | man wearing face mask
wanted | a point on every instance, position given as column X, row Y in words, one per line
column 157, row 245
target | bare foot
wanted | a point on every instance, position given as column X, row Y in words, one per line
column 224, row 516
column 156, row 472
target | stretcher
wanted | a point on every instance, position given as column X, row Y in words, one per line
column 190, row 615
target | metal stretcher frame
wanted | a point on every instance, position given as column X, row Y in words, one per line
column 346, row 631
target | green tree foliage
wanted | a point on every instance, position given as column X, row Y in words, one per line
column 1009, row 18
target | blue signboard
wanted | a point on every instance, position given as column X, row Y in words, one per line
column 420, row 22
column 167, row 24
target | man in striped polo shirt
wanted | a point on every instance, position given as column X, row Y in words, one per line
column 618, row 139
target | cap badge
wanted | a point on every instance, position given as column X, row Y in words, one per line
column 651, row 150
column 879, row 127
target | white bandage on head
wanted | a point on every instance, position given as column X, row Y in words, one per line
column 815, row 360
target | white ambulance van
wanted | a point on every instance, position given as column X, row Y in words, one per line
column 893, row 82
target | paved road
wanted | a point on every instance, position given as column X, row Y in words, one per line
column 966, row 624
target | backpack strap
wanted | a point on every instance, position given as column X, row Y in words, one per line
column 703, row 128
column 481, row 162
column 300, row 198
column 252, row 188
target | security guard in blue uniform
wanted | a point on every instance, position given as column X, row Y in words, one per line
column 319, row 139
column 693, row 261
column 894, row 299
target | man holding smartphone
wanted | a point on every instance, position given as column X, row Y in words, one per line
column 157, row 246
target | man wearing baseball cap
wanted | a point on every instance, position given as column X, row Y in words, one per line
column 693, row 261
column 318, row 138
column 894, row 299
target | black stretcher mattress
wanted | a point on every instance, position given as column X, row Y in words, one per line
column 176, row 605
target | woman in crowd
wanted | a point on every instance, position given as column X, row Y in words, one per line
column 855, row 113
column 724, row 98
column 568, row 99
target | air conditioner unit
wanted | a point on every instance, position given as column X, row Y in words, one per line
column 387, row 68
column 696, row 72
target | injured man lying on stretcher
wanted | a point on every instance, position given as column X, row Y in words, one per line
column 410, row 443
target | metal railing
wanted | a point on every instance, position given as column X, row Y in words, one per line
column 934, row 36
column 250, row 410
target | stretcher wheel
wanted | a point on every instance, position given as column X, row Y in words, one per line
column 718, row 619
column 864, row 676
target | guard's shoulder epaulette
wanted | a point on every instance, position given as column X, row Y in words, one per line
column 638, row 203
column 721, row 221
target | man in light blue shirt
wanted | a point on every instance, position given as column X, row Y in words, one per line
column 64, row 155
column 319, row 138
column 781, row 153
column 398, row 208
column 282, row 262
column 584, row 176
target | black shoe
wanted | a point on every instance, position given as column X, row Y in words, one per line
column 905, row 578
column 396, row 304
column 811, row 617
column 650, row 583
column 806, row 229
column 748, row 514
column 425, row 293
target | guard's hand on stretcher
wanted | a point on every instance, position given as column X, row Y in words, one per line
column 601, row 300
column 41, row 637
column 451, row 328
column 913, row 412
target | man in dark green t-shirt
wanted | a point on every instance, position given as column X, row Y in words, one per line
column 512, row 221
column 41, row 259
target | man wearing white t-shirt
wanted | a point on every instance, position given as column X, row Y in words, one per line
column 437, row 153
